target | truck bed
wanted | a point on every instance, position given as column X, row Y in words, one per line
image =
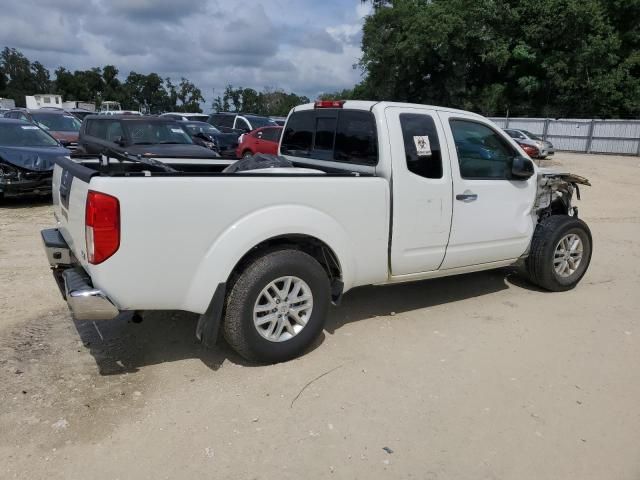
column 183, row 232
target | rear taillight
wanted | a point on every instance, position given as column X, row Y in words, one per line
column 102, row 226
column 329, row 104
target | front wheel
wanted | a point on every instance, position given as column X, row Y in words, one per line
column 560, row 253
column 277, row 306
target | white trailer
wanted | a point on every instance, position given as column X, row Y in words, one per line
column 44, row 100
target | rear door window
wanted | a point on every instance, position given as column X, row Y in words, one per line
column 421, row 145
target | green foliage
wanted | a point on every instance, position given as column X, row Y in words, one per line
column 20, row 77
column 528, row 57
column 268, row 102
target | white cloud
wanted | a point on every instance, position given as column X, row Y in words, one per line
column 297, row 45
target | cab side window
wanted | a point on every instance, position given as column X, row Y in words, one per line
column 482, row 153
column 421, row 145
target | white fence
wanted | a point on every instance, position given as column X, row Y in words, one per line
column 621, row 137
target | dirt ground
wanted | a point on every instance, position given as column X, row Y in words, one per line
column 480, row 376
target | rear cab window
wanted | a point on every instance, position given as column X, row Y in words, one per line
column 333, row 135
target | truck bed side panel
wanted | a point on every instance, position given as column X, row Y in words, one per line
column 182, row 236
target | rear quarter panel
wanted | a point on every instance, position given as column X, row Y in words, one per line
column 181, row 237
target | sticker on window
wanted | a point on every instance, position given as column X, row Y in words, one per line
column 29, row 127
column 423, row 146
column 177, row 130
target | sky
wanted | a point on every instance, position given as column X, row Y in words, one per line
column 304, row 46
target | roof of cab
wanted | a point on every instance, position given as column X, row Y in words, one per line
column 369, row 105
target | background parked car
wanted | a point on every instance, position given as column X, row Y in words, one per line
column 524, row 137
column 262, row 140
column 80, row 113
column 208, row 136
column 280, row 120
column 27, row 155
column 532, row 151
column 239, row 122
column 137, row 135
column 61, row 125
column 187, row 117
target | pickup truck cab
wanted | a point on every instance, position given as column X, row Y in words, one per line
column 377, row 193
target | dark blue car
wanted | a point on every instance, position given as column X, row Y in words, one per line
column 27, row 156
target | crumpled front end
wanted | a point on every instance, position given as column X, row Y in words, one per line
column 555, row 193
column 16, row 181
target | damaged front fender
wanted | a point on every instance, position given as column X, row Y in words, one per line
column 555, row 193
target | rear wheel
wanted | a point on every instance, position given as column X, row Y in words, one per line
column 277, row 306
column 247, row 154
column 560, row 253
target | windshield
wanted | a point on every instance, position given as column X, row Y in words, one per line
column 200, row 127
column 532, row 136
column 24, row 135
column 153, row 133
column 259, row 122
column 56, row 122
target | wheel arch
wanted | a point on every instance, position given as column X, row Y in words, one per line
column 309, row 230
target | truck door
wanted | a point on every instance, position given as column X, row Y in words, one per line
column 422, row 190
column 492, row 212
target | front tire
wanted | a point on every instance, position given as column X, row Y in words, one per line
column 277, row 306
column 560, row 253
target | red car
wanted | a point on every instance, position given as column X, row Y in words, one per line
column 530, row 150
column 261, row 140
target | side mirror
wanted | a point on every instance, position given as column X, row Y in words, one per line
column 522, row 168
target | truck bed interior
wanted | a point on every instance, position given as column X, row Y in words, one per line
column 113, row 166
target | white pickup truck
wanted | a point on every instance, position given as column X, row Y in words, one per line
column 378, row 193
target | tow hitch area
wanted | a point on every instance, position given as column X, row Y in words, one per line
column 84, row 301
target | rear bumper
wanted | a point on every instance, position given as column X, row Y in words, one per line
column 84, row 301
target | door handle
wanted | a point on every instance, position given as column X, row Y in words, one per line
column 467, row 197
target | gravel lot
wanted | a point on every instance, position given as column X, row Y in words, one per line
column 473, row 377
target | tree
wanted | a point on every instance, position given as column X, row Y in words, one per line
column 40, row 78
column 17, row 75
column 189, row 97
column 579, row 57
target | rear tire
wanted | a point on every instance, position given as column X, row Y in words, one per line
column 247, row 154
column 560, row 253
column 264, row 331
